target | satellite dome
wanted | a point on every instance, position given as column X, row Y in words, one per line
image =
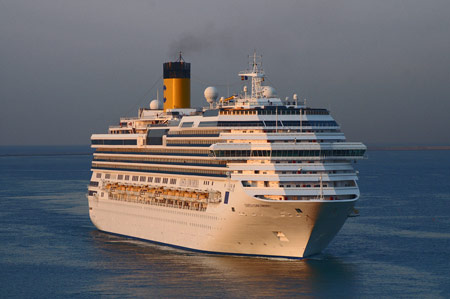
column 269, row 92
column 211, row 94
column 154, row 105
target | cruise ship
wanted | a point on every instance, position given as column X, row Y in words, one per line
column 249, row 174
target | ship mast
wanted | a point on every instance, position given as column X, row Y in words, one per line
column 256, row 72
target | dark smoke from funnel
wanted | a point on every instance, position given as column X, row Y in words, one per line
column 190, row 43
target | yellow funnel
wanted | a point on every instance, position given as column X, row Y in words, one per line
column 177, row 85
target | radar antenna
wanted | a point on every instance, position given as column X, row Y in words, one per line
column 180, row 58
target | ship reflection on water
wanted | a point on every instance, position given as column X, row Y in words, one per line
column 145, row 269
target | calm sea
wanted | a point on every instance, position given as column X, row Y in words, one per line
column 398, row 247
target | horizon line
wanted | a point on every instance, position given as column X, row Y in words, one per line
column 46, row 154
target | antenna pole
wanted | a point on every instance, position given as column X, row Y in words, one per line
column 321, row 187
column 276, row 119
column 301, row 120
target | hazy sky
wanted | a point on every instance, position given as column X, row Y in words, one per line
column 72, row 68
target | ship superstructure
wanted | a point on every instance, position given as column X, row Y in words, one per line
column 251, row 174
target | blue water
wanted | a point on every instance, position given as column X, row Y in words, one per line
column 398, row 247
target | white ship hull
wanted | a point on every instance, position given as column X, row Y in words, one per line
column 257, row 227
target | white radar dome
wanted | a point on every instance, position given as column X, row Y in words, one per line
column 269, row 92
column 154, row 105
column 211, row 94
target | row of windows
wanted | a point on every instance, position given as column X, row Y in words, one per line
column 309, row 123
column 238, row 112
column 166, row 170
column 121, row 131
column 199, row 134
column 136, row 178
column 289, row 153
column 149, row 179
column 195, row 133
column 153, row 151
column 164, row 161
column 293, row 112
column 190, row 141
column 268, row 123
column 279, row 111
column 114, row 141
column 168, row 153
column 172, row 181
column 190, row 144
column 164, row 151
